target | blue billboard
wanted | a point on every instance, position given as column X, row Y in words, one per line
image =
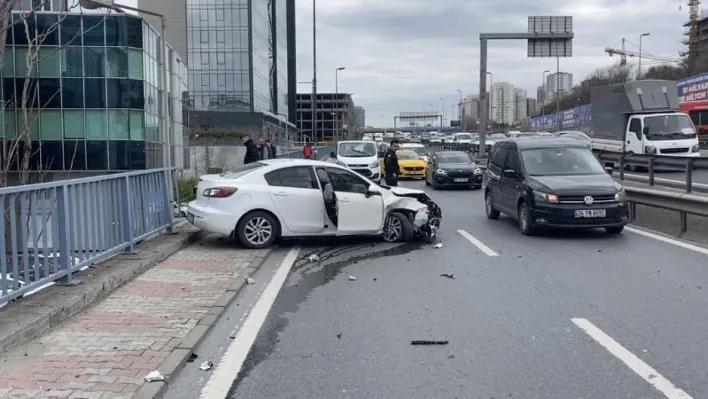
column 577, row 118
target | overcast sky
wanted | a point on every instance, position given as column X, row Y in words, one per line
column 404, row 55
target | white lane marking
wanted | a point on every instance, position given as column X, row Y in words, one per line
column 477, row 243
column 636, row 364
column 225, row 373
column 668, row 240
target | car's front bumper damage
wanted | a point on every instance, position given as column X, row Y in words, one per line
column 426, row 220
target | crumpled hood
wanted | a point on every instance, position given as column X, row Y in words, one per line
column 405, row 191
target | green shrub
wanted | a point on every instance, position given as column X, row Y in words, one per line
column 186, row 190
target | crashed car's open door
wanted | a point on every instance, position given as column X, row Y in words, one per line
column 357, row 212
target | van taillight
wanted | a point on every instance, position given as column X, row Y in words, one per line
column 219, row 192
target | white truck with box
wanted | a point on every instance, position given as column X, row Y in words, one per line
column 641, row 118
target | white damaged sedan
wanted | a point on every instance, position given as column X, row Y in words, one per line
column 262, row 201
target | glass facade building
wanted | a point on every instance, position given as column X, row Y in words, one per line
column 95, row 93
column 240, row 59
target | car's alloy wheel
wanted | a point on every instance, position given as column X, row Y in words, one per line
column 393, row 229
column 525, row 220
column 258, row 231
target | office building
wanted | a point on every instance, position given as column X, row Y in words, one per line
column 359, row 117
column 701, row 34
column 469, row 111
column 520, row 106
column 335, row 116
column 100, row 96
column 531, row 106
column 557, row 84
column 503, row 103
column 242, row 65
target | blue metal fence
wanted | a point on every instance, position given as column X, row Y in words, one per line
column 51, row 230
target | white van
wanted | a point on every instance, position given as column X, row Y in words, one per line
column 361, row 157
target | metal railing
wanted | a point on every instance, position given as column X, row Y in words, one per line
column 53, row 230
column 650, row 163
column 684, row 204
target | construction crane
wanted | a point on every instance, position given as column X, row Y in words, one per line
column 624, row 53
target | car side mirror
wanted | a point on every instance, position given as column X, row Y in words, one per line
column 510, row 173
column 373, row 190
column 609, row 170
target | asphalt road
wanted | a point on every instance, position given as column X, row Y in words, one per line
column 516, row 322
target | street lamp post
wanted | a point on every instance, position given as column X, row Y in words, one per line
column 442, row 119
column 336, row 96
column 314, row 71
column 639, row 72
column 460, row 111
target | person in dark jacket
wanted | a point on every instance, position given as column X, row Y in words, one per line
column 391, row 168
column 252, row 152
column 267, row 150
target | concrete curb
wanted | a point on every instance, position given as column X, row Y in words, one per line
column 39, row 313
column 178, row 358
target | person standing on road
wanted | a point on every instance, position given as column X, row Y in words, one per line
column 252, row 152
column 267, row 149
column 391, row 168
column 307, row 150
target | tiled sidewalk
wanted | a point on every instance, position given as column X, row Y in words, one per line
column 106, row 351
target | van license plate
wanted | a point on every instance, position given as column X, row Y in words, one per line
column 591, row 213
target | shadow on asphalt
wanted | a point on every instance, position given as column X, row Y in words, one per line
column 568, row 234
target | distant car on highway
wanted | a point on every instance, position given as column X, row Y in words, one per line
column 490, row 140
column 411, row 164
column 452, row 168
column 513, row 135
column 580, row 136
column 553, row 183
column 361, row 157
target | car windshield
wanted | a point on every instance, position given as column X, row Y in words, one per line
column 418, row 150
column 560, row 161
column 407, row 154
column 669, row 127
column 464, row 136
column 361, row 149
column 456, row 157
column 242, row 170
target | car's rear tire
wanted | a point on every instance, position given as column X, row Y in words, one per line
column 257, row 230
column 397, row 228
column 492, row 213
column 614, row 229
column 524, row 218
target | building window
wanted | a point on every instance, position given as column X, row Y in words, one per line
column 204, row 36
column 137, row 125
column 135, row 32
column 95, row 93
column 135, row 64
column 96, row 124
column 74, row 155
column 97, row 155
column 51, row 123
column 116, row 30
column 118, row 124
column 74, row 124
column 94, row 62
column 220, row 36
column 117, row 62
column 94, row 31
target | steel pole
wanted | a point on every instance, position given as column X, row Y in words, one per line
column 483, row 106
column 558, row 107
column 336, row 104
column 314, row 71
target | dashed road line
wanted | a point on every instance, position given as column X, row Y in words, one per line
column 633, row 362
column 477, row 243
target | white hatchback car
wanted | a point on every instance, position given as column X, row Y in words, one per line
column 261, row 201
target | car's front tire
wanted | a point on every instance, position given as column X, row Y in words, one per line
column 397, row 228
column 492, row 213
column 257, row 230
column 614, row 229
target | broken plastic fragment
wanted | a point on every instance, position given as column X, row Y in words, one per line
column 192, row 357
column 429, row 342
column 250, row 280
column 206, row 366
column 154, row 376
column 450, row 276
column 352, row 278
column 438, row 245
column 313, row 258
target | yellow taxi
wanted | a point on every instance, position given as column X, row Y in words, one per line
column 410, row 163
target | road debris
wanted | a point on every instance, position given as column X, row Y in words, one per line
column 438, row 245
column 450, row 276
column 429, row 342
column 313, row 258
column 154, row 376
column 339, row 336
column 250, row 280
column 192, row 358
column 352, row 278
column 206, row 366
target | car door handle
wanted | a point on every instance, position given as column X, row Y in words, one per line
column 344, row 200
column 281, row 194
